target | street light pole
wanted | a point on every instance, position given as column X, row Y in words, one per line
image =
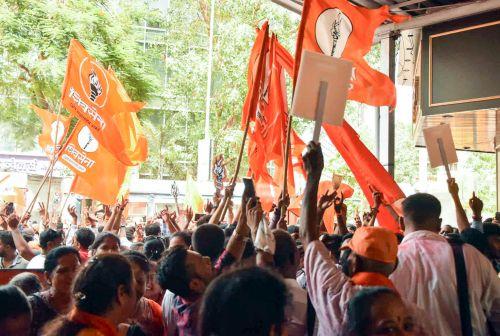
column 209, row 74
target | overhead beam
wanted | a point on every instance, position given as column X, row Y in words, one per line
column 405, row 3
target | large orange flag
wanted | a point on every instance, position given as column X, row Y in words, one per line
column 54, row 129
column 95, row 96
column 98, row 174
column 367, row 170
column 255, row 70
column 340, row 29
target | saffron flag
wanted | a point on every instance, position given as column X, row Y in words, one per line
column 193, row 197
column 340, row 29
column 98, row 174
column 54, row 129
column 95, row 96
column 254, row 73
column 367, row 170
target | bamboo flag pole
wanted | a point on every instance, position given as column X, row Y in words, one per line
column 49, row 170
column 56, row 143
column 287, row 154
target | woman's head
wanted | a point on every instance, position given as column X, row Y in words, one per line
column 154, row 248
column 248, row 301
column 15, row 312
column 106, row 285
column 140, row 268
column 378, row 311
column 61, row 266
column 106, row 242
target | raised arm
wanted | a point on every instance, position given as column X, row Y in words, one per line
column 237, row 242
column 21, row 245
column 462, row 221
column 476, row 205
column 216, row 217
column 341, row 214
column 313, row 162
column 377, row 200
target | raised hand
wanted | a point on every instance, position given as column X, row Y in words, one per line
column 476, row 205
column 284, row 201
column 313, row 160
column 326, row 200
column 254, row 214
column 189, row 215
column 453, row 187
column 209, row 207
column 72, row 211
column 13, row 221
column 357, row 219
column 339, row 206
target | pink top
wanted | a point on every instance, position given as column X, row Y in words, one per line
column 426, row 276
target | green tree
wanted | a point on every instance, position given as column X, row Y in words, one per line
column 34, row 37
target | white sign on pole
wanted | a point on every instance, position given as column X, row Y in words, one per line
column 321, row 89
column 440, row 146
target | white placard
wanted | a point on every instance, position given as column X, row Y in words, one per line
column 314, row 69
column 431, row 136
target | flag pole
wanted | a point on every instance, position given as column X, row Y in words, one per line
column 56, row 142
column 287, row 154
column 49, row 170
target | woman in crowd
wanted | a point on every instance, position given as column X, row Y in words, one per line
column 15, row 312
column 105, row 297
column 61, row 266
column 378, row 311
column 148, row 314
column 105, row 242
column 247, row 301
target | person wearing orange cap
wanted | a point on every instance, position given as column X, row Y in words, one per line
column 372, row 259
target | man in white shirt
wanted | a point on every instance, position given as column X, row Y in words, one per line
column 426, row 272
column 49, row 240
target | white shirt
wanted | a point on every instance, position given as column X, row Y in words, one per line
column 296, row 323
column 426, row 276
column 38, row 262
column 168, row 318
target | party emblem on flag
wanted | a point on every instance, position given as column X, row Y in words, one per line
column 94, row 82
column 57, row 133
column 86, row 141
column 333, row 29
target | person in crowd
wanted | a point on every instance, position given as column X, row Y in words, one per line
column 427, row 277
column 84, row 238
column 248, row 301
column 15, row 312
column 286, row 261
column 49, row 240
column 186, row 274
column 152, row 230
column 153, row 289
column 372, row 258
column 180, row 238
column 105, row 297
column 61, row 266
column 28, row 282
column 148, row 315
column 492, row 235
column 378, row 311
column 208, row 240
column 153, row 248
column 105, row 242
column 9, row 257
column 139, row 247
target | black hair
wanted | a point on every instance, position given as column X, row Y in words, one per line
column 172, row 272
column 28, row 282
column 421, row 207
column 186, row 236
column 85, row 237
column 53, row 256
column 96, row 286
column 359, row 308
column 491, row 229
column 475, row 238
column 137, row 258
column 400, row 237
column 208, row 240
column 101, row 237
column 203, row 220
column 28, row 237
column 14, row 302
column 152, row 229
column 285, row 249
column 293, row 229
column 6, row 239
column 154, row 248
column 332, row 242
column 228, row 231
column 139, row 246
column 47, row 236
column 246, row 301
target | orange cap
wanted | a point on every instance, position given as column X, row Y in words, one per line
column 374, row 243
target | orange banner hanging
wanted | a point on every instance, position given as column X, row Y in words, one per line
column 95, row 96
column 98, row 174
column 340, row 29
column 54, row 129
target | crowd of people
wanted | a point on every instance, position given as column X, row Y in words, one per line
column 253, row 274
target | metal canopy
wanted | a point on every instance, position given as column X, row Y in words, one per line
column 424, row 12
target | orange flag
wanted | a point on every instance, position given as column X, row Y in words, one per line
column 98, row 174
column 53, row 130
column 95, row 96
column 340, row 29
column 256, row 65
